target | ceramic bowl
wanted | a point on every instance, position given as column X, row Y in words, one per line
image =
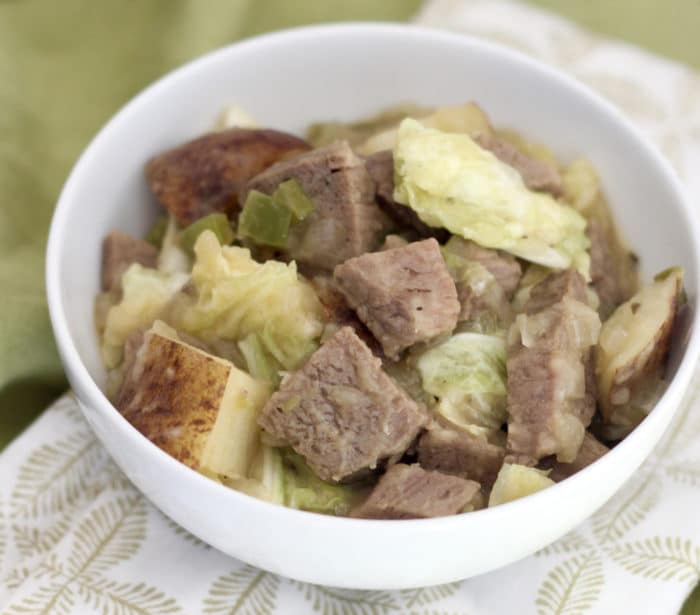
column 287, row 80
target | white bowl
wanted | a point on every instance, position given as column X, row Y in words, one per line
column 287, row 80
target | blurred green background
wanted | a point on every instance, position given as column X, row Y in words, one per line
column 66, row 66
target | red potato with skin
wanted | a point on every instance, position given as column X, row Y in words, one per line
column 204, row 176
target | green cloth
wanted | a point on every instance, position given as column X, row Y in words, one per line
column 65, row 67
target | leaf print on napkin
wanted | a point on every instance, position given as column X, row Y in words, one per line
column 68, row 407
column 180, row 531
column 244, row 591
column 572, row 587
column 110, row 534
column 422, row 596
column 626, row 510
column 685, row 472
column 122, row 598
column 570, row 543
column 56, row 475
column 670, row 558
column 338, row 601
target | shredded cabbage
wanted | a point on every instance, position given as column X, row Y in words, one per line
column 451, row 182
column 467, row 373
column 237, row 296
column 145, row 293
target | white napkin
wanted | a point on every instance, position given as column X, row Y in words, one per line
column 76, row 537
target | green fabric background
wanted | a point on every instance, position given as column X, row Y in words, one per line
column 66, row 66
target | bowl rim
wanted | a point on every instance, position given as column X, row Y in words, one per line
column 97, row 400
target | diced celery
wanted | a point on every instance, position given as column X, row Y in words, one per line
column 264, row 220
column 291, row 195
column 217, row 223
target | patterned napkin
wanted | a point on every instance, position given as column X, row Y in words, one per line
column 76, row 537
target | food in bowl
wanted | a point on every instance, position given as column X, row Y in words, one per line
column 412, row 316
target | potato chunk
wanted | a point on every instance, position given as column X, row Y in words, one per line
column 196, row 407
column 516, row 481
column 632, row 350
column 205, row 176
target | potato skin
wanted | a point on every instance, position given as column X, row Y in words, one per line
column 636, row 382
column 204, row 176
column 172, row 394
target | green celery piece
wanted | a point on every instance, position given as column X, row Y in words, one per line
column 264, row 220
column 217, row 223
column 291, row 195
column 157, row 232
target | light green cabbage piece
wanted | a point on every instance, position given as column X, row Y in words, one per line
column 281, row 476
column 305, row 491
column 235, row 296
column 145, row 293
column 451, row 182
column 467, row 373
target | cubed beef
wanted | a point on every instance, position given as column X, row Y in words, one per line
column 604, row 271
column 119, row 252
column 548, row 408
column 205, row 176
column 461, row 454
column 381, row 168
column 591, row 450
column 338, row 314
column 409, row 492
column 345, row 221
column 551, row 384
column 536, row 174
column 554, row 288
column 341, row 412
column 404, row 295
column 504, row 267
column 568, row 324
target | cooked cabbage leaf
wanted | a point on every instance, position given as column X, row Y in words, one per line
column 468, row 118
column 516, row 481
column 235, row 296
column 145, row 293
column 467, row 373
column 451, row 182
column 305, row 491
column 281, row 476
